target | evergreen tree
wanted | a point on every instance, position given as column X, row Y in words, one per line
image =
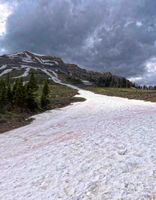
column 9, row 96
column 19, row 95
column 30, row 98
column 22, row 97
column 31, row 88
column 32, row 84
column 9, row 93
column 3, row 101
column 14, row 90
column 45, row 95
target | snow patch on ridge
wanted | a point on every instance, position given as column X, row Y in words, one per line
column 25, row 74
column 5, row 72
column 3, row 67
column 52, row 75
column 27, row 58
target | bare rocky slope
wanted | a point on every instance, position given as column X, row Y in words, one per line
column 23, row 63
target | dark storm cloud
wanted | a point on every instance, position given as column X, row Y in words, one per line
column 105, row 35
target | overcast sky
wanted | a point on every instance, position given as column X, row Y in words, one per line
column 105, row 35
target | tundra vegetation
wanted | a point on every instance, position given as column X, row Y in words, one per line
column 139, row 93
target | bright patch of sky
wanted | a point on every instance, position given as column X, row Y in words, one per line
column 128, row 23
column 139, row 24
column 5, row 11
column 151, row 66
column 149, row 75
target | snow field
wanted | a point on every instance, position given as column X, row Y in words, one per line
column 100, row 149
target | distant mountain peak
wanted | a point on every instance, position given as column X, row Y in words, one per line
column 21, row 64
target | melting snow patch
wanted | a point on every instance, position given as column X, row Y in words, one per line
column 5, row 72
column 39, row 60
column 56, row 63
column 3, row 67
column 26, row 73
column 52, row 75
column 24, row 66
column 27, row 58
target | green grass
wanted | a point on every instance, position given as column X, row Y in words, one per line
column 60, row 96
column 130, row 93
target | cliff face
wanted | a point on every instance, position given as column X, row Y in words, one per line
column 22, row 64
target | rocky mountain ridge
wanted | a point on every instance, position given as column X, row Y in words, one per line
column 20, row 65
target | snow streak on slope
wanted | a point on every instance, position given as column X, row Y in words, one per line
column 5, row 72
column 27, row 58
column 52, row 75
column 25, row 74
column 101, row 149
column 28, row 61
column 3, row 67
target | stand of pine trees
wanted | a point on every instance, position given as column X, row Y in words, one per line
column 22, row 96
column 112, row 81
